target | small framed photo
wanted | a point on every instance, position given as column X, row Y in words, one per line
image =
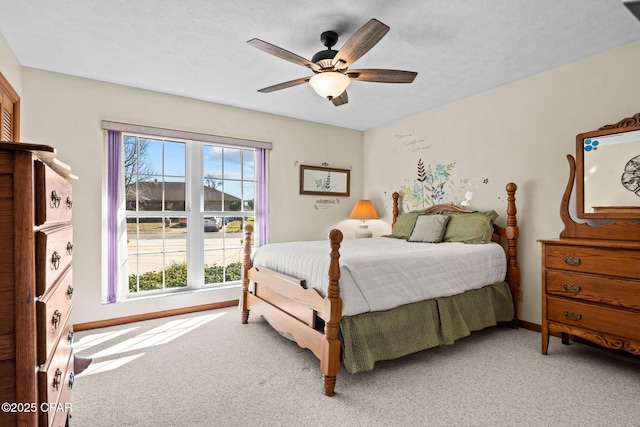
column 320, row 180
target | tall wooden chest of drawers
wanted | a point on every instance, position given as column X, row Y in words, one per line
column 36, row 286
column 591, row 290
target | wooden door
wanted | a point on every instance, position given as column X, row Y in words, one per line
column 9, row 112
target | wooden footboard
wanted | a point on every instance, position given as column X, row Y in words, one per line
column 291, row 308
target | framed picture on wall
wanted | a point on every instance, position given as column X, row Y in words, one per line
column 320, row 180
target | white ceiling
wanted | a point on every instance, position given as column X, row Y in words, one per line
column 197, row 48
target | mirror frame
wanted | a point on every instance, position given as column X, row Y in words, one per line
column 629, row 124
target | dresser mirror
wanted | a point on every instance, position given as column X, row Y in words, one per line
column 608, row 173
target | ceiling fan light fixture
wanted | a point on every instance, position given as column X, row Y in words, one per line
column 330, row 67
column 329, row 84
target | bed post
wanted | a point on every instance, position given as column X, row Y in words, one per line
column 330, row 361
column 395, row 196
column 246, row 266
column 512, row 234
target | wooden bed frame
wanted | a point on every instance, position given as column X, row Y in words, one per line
column 293, row 309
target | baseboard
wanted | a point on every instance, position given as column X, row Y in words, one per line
column 530, row 326
column 155, row 315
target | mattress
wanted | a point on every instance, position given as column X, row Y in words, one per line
column 383, row 273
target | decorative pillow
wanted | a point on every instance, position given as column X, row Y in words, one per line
column 476, row 227
column 429, row 228
column 404, row 225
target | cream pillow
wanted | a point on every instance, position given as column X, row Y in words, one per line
column 429, row 228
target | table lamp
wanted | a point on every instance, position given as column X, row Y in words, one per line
column 363, row 210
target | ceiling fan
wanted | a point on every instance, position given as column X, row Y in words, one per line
column 331, row 67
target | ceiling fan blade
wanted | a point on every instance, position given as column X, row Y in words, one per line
column 282, row 53
column 382, row 76
column 340, row 100
column 360, row 43
column 284, row 85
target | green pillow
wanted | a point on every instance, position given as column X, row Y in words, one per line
column 404, row 225
column 429, row 228
column 476, row 227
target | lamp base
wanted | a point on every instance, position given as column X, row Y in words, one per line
column 363, row 232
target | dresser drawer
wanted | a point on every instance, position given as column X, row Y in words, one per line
column 604, row 290
column 54, row 201
column 611, row 262
column 54, row 251
column 56, row 375
column 52, row 311
column 598, row 318
column 54, row 389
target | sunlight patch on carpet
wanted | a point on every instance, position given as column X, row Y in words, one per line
column 162, row 334
column 108, row 365
column 93, row 340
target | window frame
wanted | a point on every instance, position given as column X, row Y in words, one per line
column 195, row 253
column 195, row 246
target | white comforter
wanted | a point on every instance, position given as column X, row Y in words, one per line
column 384, row 273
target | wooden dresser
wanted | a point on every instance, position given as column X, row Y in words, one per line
column 591, row 274
column 36, row 286
column 591, row 290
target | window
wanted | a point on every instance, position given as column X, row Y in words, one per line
column 186, row 205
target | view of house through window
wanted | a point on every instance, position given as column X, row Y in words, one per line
column 186, row 205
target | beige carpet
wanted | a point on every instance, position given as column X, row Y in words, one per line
column 207, row 369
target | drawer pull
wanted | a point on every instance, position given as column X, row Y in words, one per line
column 70, row 292
column 69, row 203
column 55, row 260
column 570, row 287
column 55, row 199
column 572, row 260
column 71, row 378
column 55, row 319
column 70, row 337
column 69, row 248
column 57, row 379
column 573, row 315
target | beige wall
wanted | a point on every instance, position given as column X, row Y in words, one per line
column 520, row 132
column 9, row 65
column 65, row 112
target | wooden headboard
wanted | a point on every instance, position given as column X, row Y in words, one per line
column 498, row 231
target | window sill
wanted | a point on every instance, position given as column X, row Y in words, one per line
column 179, row 292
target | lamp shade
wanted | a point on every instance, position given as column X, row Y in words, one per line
column 329, row 84
column 364, row 210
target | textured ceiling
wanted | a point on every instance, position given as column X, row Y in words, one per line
column 197, row 48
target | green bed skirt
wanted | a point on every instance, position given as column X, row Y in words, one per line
column 369, row 337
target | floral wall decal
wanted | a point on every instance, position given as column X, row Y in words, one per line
column 429, row 186
column 467, row 199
